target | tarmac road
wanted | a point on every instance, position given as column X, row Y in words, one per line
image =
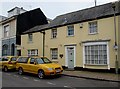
column 12, row 79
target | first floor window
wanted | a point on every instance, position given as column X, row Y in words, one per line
column 54, row 53
column 95, row 53
column 33, row 52
column 30, row 37
column 70, row 30
column 93, row 27
column 54, row 33
column 6, row 31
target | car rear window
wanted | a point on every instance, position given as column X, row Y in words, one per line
column 13, row 58
column 23, row 59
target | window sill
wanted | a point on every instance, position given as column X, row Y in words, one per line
column 92, row 33
column 70, row 36
column 53, row 38
column 30, row 42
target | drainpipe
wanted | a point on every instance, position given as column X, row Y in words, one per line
column 115, row 39
column 43, row 32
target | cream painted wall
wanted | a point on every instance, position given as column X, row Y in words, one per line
column 36, row 44
column 105, row 31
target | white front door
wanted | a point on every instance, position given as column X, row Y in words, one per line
column 70, row 56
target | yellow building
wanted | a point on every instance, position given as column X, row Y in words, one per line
column 84, row 39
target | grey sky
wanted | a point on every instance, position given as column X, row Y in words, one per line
column 51, row 8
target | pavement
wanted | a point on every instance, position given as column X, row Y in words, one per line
column 93, row 75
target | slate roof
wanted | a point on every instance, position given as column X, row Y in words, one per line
column 101, row 11
column 2, row 18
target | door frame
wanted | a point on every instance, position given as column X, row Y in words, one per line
column 66, row 55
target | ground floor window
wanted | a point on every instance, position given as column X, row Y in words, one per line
column 54, row 53
column 5, row 50
column 96, row 53
column 33, row 52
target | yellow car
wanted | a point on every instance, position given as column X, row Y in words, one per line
column 8, row 63
column 38, row 65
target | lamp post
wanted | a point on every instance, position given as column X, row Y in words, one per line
column 115, row 39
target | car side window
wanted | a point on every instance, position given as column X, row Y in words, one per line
column 5, row 59
column 32, row 60
column 13, row 58
column 23, row 59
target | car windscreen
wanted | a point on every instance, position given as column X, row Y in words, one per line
column 43, row 60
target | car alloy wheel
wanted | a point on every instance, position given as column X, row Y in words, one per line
column 20, row 71
column 41, row 74
column 5, row 69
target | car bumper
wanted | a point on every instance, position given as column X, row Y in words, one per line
column 53, row 72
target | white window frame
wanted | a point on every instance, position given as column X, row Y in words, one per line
column 96, row 43
column 51, row 50
column 54, row 33
column 93, row 29
column 33, row 54
column 6, row 33
column 70, row 29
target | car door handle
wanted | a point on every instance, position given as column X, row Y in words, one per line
column 70, row 60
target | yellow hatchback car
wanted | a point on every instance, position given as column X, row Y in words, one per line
column 41, row 66
column 8, row 63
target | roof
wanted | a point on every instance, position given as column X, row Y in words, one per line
column 16, row 8
column 2, row 18
column 101, row 11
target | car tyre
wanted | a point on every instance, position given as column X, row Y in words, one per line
column 41, row 74
column 20, row 71
column 5, row 68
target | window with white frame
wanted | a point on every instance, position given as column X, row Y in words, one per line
column 33, row 52
column 30, row 37
column 54, row 33
column 54, row 53
column 93, row 27
column 6, row 31
column 96, row 54
column 70, row 30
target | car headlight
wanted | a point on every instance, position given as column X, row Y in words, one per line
column 50, row 69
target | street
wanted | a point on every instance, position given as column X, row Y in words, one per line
column 12, row 79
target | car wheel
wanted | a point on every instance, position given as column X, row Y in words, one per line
column 20, row 71
column 41, row 74
column 5, row 69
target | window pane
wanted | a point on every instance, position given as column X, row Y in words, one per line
column 96, row 54
column 54, row 53
column 70, row 30
column 93, row 27
column 54, row 33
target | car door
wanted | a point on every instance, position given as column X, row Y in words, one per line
column 33, row 68
column 5, row 61
column 13, row 61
